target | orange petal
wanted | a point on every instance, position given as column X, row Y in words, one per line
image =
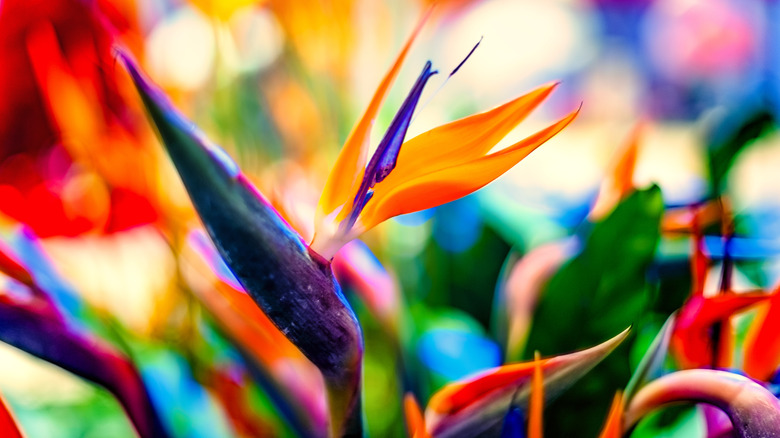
column 347, row 172
column 619, row 183
column 465, row 139
column 613, row 427
column 449, row 184
column 523, row 286
column 536, row 403
column 415, row 423
column 623, row 172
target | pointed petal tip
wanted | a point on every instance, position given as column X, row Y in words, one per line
column 415, row 422
column 467, row 406
column 613, row 426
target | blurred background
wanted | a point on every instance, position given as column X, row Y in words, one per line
column 279, row 84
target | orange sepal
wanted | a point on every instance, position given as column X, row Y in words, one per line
column 619, row 183
column 466, row 139
column 536, row 402
column 445, row 185
column 415, row 422
column 347, row 173
column 613, row 427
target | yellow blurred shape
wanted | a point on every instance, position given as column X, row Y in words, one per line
column 181, row 50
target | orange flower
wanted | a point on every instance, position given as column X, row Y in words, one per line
column 436, row 167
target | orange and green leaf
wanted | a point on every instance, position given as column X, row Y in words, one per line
column 613, row 427
column 479, row 403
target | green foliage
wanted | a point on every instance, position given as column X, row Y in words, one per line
column 597, row 294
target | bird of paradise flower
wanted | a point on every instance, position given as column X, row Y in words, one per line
column 292, row 282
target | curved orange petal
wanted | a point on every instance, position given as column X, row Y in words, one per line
column 613, row 427
column 449, row 184
column 465, row 139
column 346, row 174
column 536, row 402
column 456, row 396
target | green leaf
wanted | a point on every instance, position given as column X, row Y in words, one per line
column 603, row 289
column 599, row 292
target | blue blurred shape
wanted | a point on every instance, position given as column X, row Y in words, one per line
column 455, row 354
column 742, row 247
column 514, row 424
column 28, row 248
column 457, row 225
column 186, row 407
